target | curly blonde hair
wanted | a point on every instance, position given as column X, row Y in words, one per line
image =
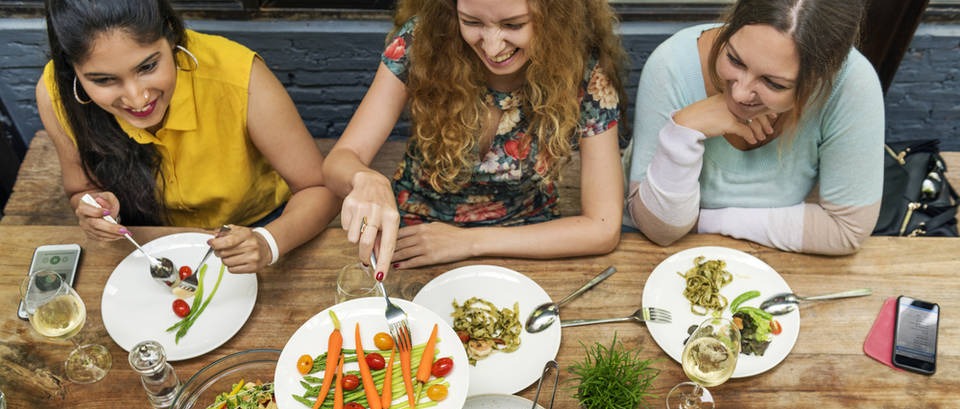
column 447, row 89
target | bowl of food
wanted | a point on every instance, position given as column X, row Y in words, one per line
column 245, row 376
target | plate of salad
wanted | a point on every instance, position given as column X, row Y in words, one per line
column 739, row 280
column 136, row 308
column 311, row 354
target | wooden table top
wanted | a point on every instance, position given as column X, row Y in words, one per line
column 826, row 368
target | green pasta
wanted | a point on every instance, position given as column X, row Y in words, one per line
column 704, row 282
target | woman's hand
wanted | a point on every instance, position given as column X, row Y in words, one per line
column 431, row 243
column 712, row 117
column 370, row 217
column 241, row 250
column 91, row 219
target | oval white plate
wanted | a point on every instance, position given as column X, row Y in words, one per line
column 136, row 308
column 311, row 338
column 498, row 402
column 500, row 373
column 664, row 289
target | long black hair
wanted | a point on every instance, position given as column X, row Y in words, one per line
column 111, row 160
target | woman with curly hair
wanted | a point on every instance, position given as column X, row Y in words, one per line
column 737, row 123
column 500, row 93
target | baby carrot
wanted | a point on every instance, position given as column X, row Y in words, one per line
column 407, row 382
column 369, row 387
column 334, row 346
column 338, row 389
column 386, row 395
column 426, row 362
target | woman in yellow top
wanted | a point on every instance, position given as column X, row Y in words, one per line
column 167, row 126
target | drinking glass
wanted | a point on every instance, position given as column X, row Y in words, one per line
column 355, row 280
column 709, row 358
column 56, row 311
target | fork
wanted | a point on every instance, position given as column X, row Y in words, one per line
column 396, row 317
column 189, row 284
column 649, row 314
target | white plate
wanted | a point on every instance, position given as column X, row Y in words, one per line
column 136, row 308
column 499, row 373
column 498, row 402
column 664, row 289
column 311, row 338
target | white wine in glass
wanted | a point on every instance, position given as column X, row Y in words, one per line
column 56, row 311
column 709, row 359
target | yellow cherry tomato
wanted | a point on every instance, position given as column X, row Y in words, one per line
column 304, row 364
column 437, row 392
column 383, row 341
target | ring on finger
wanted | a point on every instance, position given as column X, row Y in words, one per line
column 363, row 224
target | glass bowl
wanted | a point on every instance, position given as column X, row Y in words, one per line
column 202, row 388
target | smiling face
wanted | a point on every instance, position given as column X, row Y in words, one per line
column 127, row 79
column 759, row 68
column 500, row 32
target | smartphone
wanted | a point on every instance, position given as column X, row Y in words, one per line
column 915, row 335
column 60, row 258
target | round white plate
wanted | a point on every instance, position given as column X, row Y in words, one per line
column 499, row 373
column 498, row 402
column 664, row 289
column 311, row 338
column 136, row 308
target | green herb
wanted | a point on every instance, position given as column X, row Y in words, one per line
column 613, row 377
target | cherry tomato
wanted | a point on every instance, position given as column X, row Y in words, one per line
column 383, row 341
column 350, row 382
column 441, row 367
column 181, row 308
column 437, row 392
column 352, row 405
column 375, row 361
column 775, row 327
column 464, row 336
column 304, row 364
column 185, row 272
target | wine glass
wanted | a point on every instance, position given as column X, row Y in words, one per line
column 56, row 311
column 709, row 358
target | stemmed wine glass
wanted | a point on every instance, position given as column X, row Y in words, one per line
column 709, row 358
column 56, row 311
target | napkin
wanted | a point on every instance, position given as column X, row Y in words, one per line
column 879, row 342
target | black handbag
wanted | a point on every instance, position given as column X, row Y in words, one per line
column 917, row 198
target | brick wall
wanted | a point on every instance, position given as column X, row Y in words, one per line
column 327, row 65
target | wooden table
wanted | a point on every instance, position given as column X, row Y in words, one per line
column 826, row 369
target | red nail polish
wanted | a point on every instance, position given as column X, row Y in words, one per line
column 396, row 265
column 379, row 275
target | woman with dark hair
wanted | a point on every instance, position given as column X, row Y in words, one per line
column 500, row 92
column 713, row 97
column 167, row 126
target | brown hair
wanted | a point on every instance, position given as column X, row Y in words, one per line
column 823, row 30
column 447, row 107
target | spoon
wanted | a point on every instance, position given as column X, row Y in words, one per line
column 544, row 315
column 783, row 303
column 160, row 269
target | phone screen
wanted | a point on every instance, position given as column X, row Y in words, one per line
column 61, row 262
column 915, row 344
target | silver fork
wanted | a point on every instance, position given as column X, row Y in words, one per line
column 650, row 314
column 190, row 283
column 396, row 317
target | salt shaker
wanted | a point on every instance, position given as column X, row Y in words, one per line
column 156, row 374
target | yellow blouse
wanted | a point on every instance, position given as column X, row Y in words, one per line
column 211, row 172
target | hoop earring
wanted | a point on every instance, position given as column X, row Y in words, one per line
column 76, row 95
column 196, row 64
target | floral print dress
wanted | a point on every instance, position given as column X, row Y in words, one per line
column 506, row 187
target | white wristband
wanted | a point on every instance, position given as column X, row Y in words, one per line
column 271, row 242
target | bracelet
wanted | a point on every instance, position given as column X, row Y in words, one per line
column 271, row 242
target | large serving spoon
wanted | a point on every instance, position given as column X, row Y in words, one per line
column 160, row 269
column 544, row 315
column 783, row 303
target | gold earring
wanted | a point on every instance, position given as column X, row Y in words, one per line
column 76, row 95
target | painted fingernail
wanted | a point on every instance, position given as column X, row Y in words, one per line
column 379, row 275
column 106, row 212
column 365, row 265
column 124, row 231
column 396, row 265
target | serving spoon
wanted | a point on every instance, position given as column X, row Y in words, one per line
column 783, row 303
column 544, row 315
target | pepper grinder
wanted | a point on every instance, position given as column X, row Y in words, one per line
column 157, row 375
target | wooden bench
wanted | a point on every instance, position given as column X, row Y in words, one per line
column 38, row 197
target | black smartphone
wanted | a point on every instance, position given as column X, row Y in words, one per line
column 915, row 335
column 60, row 258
